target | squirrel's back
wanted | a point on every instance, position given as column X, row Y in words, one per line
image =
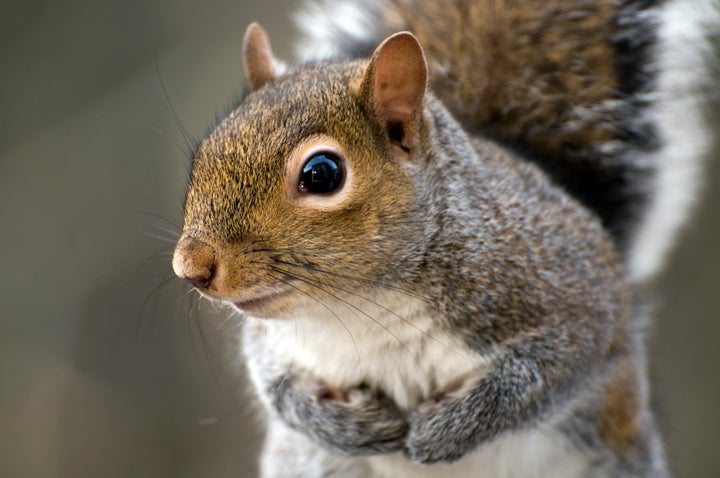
column 602, row 95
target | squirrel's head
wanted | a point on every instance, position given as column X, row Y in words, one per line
column 303, row 193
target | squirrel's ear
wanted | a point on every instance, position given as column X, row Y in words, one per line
column 394, row 86
column 258, row 59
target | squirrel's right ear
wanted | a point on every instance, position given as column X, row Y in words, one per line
column 393, row 87
column 258, row 59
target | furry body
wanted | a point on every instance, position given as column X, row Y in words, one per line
column 462, row 306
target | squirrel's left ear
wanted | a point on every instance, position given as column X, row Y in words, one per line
column 393, row 87
column 258, row 59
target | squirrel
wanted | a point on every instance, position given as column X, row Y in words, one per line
column 439, row 224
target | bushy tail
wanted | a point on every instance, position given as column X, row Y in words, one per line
column 685, row 107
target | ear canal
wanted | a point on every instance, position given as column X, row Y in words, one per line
column 394, row 84
column 258, row 59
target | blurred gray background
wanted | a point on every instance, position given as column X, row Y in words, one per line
column 108, row 366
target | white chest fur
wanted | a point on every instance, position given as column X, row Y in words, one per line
column 395, row 347
column 531, row 454
column 399, row 349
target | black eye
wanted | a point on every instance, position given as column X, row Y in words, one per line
column 322, row 173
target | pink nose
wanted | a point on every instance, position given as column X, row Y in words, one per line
column 194, row 261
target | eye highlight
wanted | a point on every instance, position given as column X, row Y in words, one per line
column 321, row 174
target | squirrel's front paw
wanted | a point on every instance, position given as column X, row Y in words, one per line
column 353, row 422
column 437, row 435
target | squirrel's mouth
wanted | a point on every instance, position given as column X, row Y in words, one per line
column 260, row 302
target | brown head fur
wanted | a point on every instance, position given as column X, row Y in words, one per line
column 243, row 200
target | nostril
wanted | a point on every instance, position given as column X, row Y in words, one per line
column 202, row 281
